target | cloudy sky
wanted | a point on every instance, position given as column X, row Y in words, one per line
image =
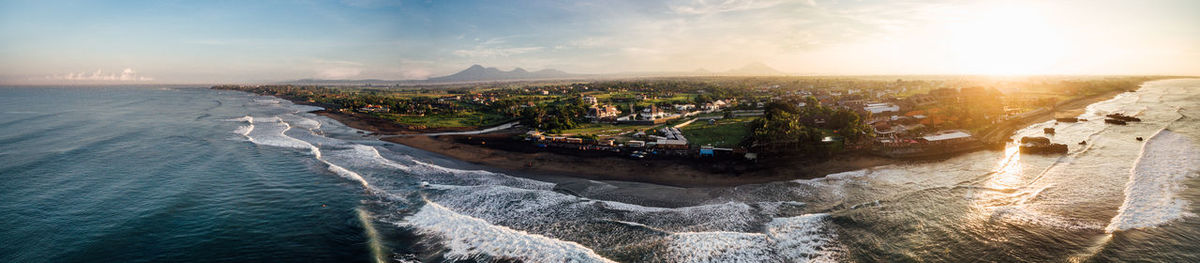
column 256, row 41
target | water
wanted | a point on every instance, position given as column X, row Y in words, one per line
column 191, row 174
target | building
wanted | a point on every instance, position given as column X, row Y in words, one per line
column 652, row 113
column 878, row 108
column 603, row 112
column 947, row 136
column 672, row 144
column 589, row 100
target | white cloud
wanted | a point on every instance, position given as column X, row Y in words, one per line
column 700, row 7
column 126, row 75
column 417, row 74
column 484, row 52
column 338, row 73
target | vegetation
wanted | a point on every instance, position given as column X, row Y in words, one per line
column 808, row 115
column 788, row 127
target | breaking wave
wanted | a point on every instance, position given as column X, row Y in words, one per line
column 466, row 237
column 1156, row 178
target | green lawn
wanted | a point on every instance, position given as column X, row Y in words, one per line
column 450, row 120
column 723, row 133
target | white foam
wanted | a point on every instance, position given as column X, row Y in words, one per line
column 718, row 247
column 348, row 174
column 433, row 172
column 270, row 132
column 1155, row 180
column 1022, row 214
column 807, row 238
column 244, row 130
column 466, row 236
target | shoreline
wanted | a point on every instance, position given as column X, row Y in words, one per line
column 662, row 172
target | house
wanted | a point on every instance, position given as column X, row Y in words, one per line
column 602, row 112
column 685, row 107
column 589, row 100
column 652, row 113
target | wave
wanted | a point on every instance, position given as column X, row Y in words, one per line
column 466, row 237
column 718, row 247
column 805, row 238
column 481, row 213
column 1157, row 176
column 374, row 240
column 1023, row 214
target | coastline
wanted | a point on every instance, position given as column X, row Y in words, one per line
column 662, row 172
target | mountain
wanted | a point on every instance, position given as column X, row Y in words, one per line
column 754, row 69
column 480, row 73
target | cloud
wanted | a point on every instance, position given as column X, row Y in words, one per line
column 336, row 69
column 417, row 74
column 484, row 52
column 701, row 7
column 126, row 75
column 339, row 73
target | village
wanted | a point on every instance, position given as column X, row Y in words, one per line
column 730, row 118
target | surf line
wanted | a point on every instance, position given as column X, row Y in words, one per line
column 374, row 241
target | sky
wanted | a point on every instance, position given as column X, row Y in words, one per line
column 65, row 42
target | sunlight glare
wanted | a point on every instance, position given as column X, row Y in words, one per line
column 1005, row 40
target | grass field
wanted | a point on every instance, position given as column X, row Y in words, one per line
column 449, row 120
column 723, row 133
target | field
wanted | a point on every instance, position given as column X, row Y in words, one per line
column 723, row 133
column 449, row 120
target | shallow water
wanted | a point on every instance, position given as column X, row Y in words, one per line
column 191, row 174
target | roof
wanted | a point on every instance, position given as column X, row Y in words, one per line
column 947, row 135
column 672, row 142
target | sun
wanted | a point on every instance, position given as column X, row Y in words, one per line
column 1005, row 40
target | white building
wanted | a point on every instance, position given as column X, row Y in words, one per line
column 877, row 108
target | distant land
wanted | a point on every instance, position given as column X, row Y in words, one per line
column 479, row 73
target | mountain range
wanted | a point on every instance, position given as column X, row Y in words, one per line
column 480, row 73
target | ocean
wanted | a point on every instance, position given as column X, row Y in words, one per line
column 190, row 174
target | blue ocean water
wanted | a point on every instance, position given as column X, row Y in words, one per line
column 138, row 174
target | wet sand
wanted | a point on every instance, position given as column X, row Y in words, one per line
column 665, row 172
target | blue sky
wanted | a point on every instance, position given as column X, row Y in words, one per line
column 256, row 41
